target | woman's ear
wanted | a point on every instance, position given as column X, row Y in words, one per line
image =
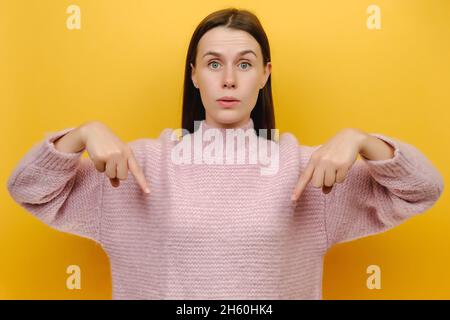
column 267, row 71
column 193, row 75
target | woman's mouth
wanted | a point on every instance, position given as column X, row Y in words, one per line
column 228, row 103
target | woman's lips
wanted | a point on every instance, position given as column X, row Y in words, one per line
column 228, row 103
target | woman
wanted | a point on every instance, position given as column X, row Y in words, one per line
column 213, row 229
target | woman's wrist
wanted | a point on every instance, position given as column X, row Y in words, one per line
column 74, row 141
column 373, row 148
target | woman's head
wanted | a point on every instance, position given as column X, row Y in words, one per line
column 229, row 55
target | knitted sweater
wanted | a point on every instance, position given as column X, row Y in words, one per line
column 220, row 231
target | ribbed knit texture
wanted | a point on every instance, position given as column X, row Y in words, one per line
column 220, row 231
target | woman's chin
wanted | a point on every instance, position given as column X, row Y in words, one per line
column 228, row 116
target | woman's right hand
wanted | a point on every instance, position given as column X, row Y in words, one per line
column 110, row 154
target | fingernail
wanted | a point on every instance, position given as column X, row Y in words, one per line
column 293, row 198
column 147, row 190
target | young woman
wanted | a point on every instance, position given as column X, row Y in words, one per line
column 212, row 229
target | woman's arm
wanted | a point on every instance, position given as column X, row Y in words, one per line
column 72, row 142
column 373, row 148
column 380, row 194
column 60, row 188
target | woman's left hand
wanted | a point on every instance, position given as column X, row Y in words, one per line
column 331, row 162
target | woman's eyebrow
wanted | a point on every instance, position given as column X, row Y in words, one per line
column 217, row 54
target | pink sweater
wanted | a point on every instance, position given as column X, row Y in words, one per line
column 212, row 231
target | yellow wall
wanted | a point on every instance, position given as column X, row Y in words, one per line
column 125, row 67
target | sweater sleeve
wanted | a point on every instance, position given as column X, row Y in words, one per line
column 61, row 189
column 380, row 194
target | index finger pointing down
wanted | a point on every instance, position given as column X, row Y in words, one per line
column 138, row 174
column 303, row 181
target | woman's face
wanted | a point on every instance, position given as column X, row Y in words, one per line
column 229, row 73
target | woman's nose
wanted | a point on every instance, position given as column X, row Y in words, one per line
column 229, row 84
column 229, row 80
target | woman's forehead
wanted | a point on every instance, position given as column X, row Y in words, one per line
column 227, row 41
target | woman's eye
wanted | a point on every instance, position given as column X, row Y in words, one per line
column 212, row 63
column 246, row 64
column 215, row 62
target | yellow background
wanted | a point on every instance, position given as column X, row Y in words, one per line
column 125, row 67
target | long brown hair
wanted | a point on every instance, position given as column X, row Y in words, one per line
column 193, row 110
